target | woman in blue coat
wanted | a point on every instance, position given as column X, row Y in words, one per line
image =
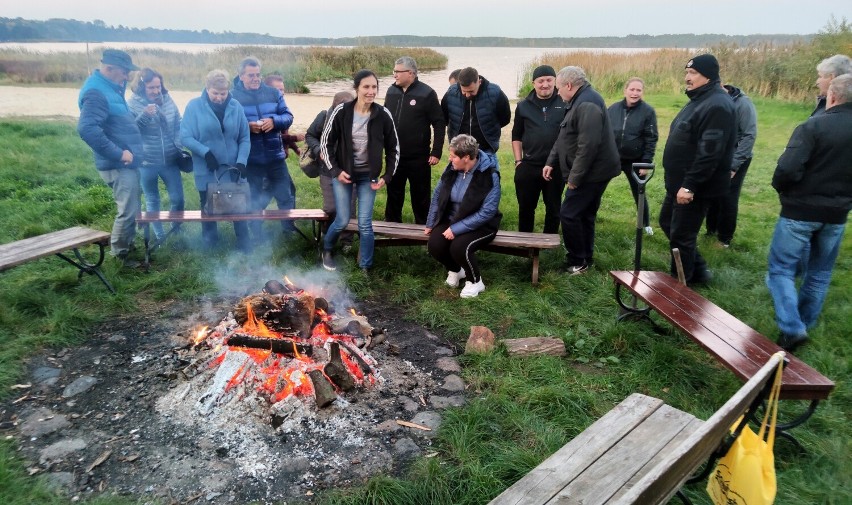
column 215, row 130
column 158, row 119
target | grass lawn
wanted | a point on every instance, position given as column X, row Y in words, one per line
column 519, row 410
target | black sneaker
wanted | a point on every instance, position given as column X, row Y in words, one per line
column 791, row 342
column 578, row 269
column 700, row 278
column 127, row 262
column 328, row 261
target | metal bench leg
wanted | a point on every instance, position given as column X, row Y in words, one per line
column 146, row 234
column 781, row 429
column 685, row 499
column 630, row 311
column 85, row 267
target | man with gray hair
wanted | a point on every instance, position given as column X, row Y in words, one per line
column 828, row 69
column 415, row 109
column 587, row 155
column 815, row 188
column 268, row 115
column 109, row 127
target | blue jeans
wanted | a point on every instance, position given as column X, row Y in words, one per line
column 279, row 186
column 124, row 183
column 796, row 311
column 148, row 176
column 343, row 200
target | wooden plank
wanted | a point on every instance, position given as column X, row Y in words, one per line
column 21, row 251
column 534, row 346
column 620, row 464
column 741, row 349
column 197, row 216
column 661, row 482
column 548, row 478
column 504, row 238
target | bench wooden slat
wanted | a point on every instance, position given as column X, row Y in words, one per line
column 548, row 478
column 737, row 346
column 197, row 216
column 621, row 464
column 21, row 251
column 504, row 237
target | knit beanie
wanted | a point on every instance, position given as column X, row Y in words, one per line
column 542, row 71
column 706, row 65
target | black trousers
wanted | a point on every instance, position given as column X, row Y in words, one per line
column 681, row 224
column 577, row 215
column 722, row 213
column 418, row 173
column 529, row 184
column 627, row 168
column 459, row 252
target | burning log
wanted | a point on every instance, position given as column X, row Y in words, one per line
column 336, row 370
column 284, row 346
column 285, row 313
column 323, row 390
column 365, row 367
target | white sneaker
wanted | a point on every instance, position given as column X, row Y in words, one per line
column 471, row 290
column 453, row 278
column 649, row 230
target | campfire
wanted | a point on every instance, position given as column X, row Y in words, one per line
column 283, row 343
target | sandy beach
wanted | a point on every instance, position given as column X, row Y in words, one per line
column 19, row 101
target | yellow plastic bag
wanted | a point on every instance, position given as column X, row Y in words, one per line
column 746, row 474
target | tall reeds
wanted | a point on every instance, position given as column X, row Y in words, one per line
column 185, row 70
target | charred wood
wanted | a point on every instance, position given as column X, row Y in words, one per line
column 284, row 346
column 336, row 370
column 323, row 390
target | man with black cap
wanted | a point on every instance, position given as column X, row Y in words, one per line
column 109, row 127
column 697, row 161
column 534, row 131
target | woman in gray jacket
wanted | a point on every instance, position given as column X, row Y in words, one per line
column 158, row 119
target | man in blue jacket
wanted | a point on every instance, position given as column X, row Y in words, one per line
column 268, row 116
column 109, row 127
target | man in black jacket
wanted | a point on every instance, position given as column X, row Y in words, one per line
column 697, row 161
column 815, row 188
column 586, row 153
column 415, row 109
column 534, row 131
column 477, row 107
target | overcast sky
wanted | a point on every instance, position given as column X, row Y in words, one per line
column 536, row 18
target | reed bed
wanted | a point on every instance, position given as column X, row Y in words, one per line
column 186, row 71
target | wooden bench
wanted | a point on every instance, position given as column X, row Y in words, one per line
column 731, row 342
column 640, row 452
column 22, row 251
column 316, row 216
column 506, row 242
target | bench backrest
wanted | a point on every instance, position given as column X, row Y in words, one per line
column 662, row 482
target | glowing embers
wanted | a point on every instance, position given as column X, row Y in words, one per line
column 283, row 342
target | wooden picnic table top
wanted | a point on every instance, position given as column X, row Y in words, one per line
column 21, row 251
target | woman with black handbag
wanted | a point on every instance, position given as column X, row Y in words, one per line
column 216, row 131
column 158, row 119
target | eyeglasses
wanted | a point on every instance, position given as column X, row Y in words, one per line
column 400, row 71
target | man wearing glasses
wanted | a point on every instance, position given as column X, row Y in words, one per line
column 415, row 109
column 476, row 107
column 268, row 116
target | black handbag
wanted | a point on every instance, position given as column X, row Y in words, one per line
column 227, row 198
column 310, row 166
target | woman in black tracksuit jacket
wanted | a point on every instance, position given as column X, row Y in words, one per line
column 634, row 123
column 355, row 136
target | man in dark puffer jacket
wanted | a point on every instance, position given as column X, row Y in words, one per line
column 697, row 161
column 268, row 116
column 109, row 127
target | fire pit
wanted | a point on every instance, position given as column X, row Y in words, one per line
column 233, row 413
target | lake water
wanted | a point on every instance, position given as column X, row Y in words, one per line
column 504, row 66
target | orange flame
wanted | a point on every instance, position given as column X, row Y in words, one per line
column 200, row 336
column 353, row 312
column 255, row 326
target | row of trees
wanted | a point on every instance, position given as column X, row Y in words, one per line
column 70, row 30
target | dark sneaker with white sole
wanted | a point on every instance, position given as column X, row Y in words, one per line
column 328, row 261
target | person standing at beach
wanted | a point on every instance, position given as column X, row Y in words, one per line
column 536, row 126
column 634, row 123
column 268, row 115
column 418, row 118
column 476, row 107
column 109, row 127
column 697, row 161
column 722, row 214
column 585, row 152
